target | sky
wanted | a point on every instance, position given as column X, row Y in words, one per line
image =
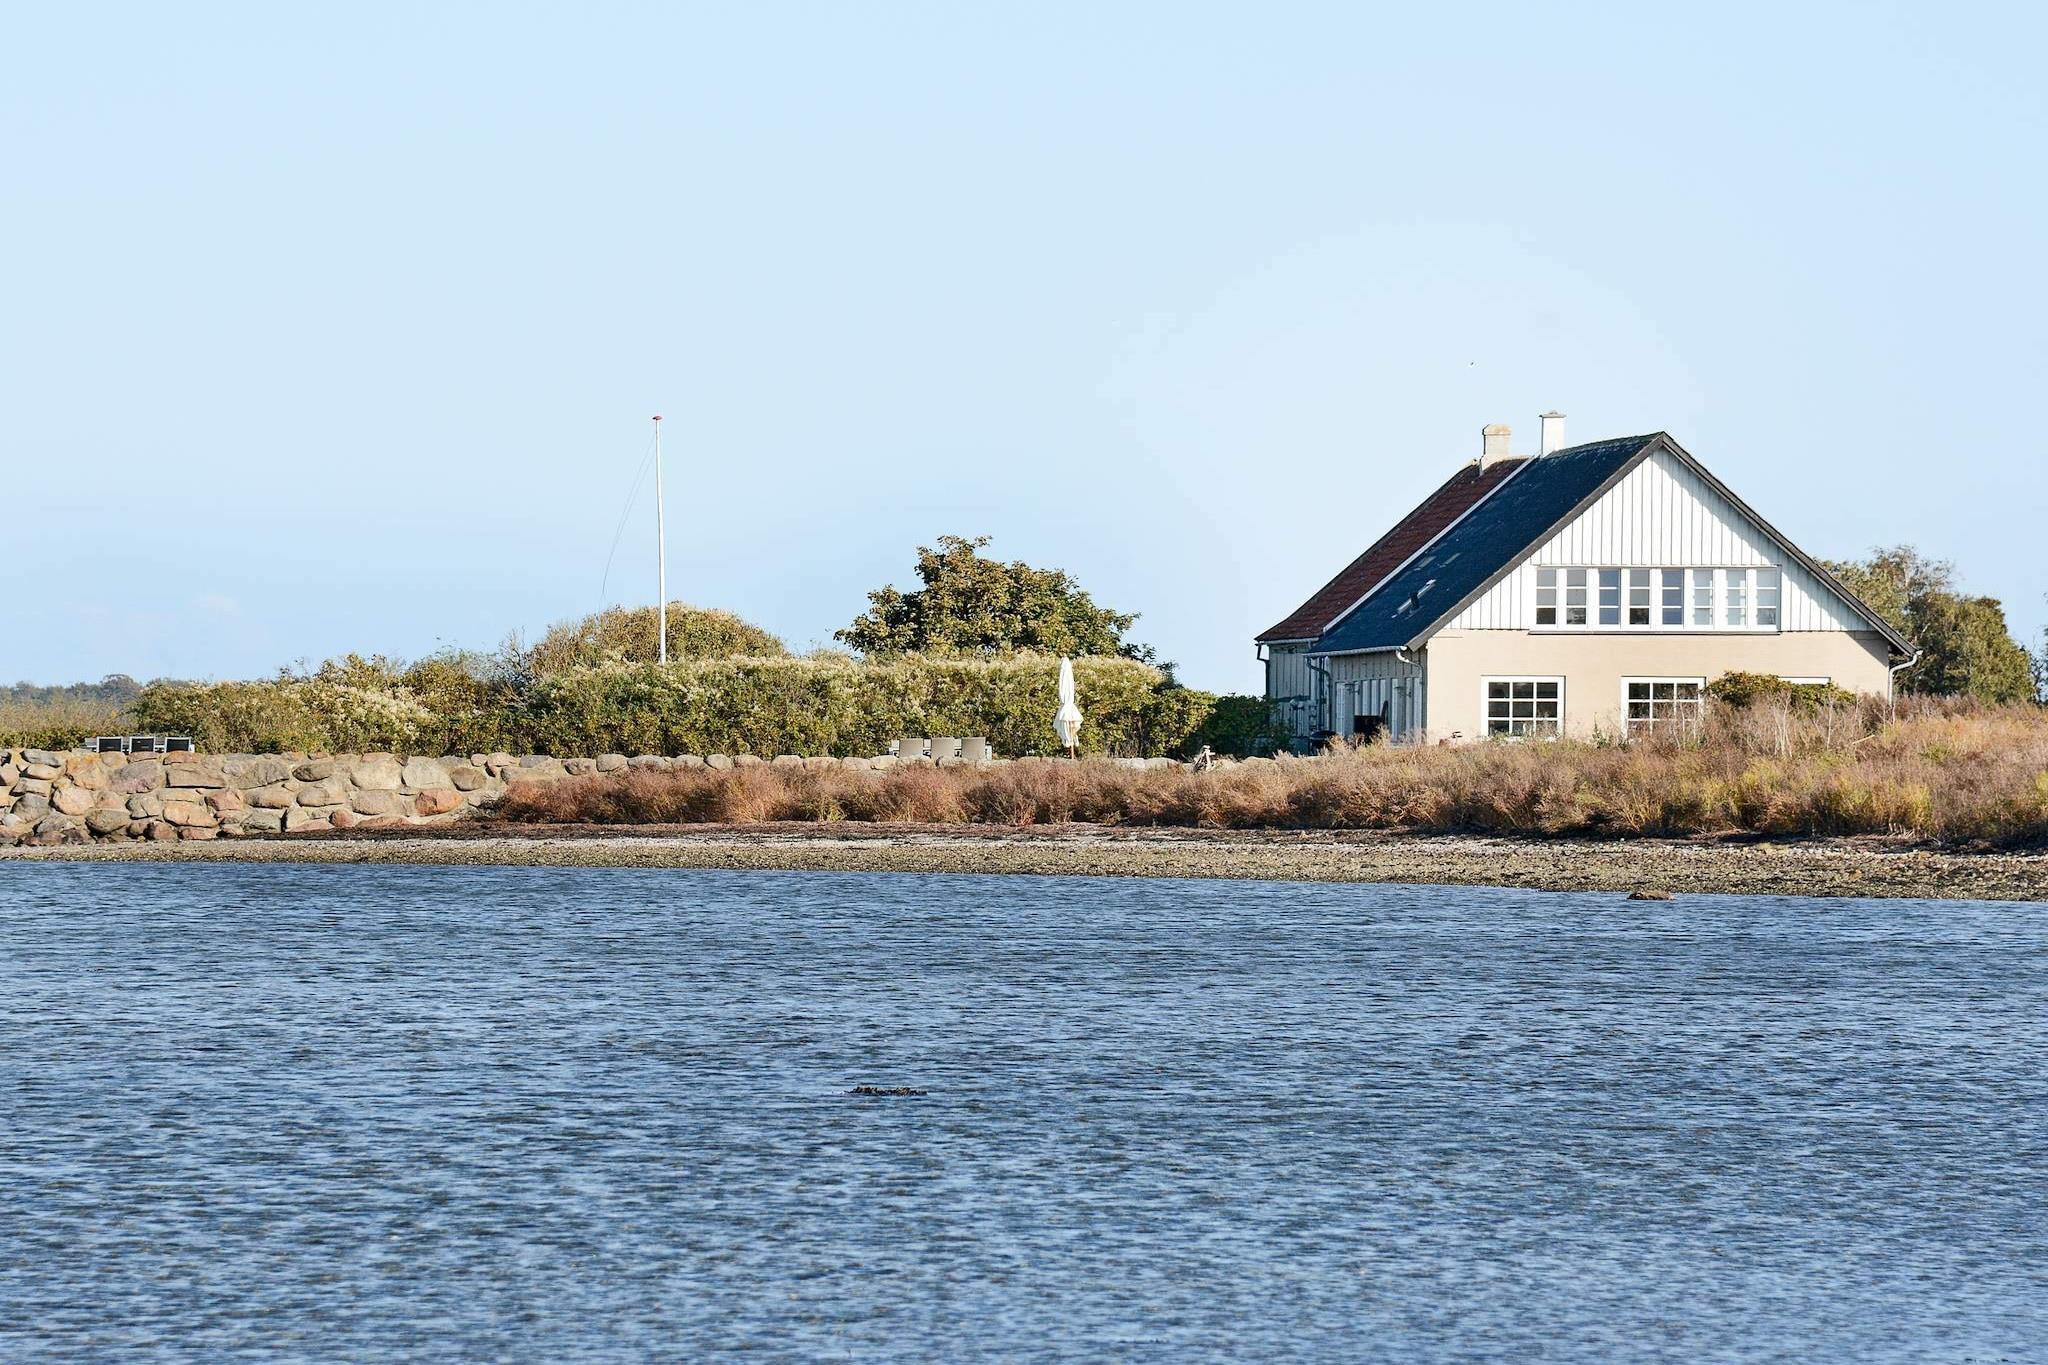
column 340, row 330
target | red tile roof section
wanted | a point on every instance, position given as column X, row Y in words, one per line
column 1456, row 497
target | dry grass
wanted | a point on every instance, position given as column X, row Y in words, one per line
column 1946, row 771
column 57, row 722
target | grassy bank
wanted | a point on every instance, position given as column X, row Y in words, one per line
column 1953, row 772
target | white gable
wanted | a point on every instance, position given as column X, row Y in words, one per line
column 1662, row 515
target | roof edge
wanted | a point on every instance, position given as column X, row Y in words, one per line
column 1513, row 561
column 1271, row 635
column 1652, row 442
column 1901, row 644
column 1521, row 463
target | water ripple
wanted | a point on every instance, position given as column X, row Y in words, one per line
column 407, row 1113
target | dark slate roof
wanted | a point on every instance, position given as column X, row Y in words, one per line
column 1493, row 537
column 1383, row 556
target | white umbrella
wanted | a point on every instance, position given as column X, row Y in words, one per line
column 1066, row 722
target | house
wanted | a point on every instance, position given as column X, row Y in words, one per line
column 1587, row 590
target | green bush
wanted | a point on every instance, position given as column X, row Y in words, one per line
column 1242, row 725
column 1743, row 690
column 282, row 714
column 627, row 634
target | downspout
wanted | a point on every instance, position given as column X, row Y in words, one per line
column 1407, row 685
column 1891, row 682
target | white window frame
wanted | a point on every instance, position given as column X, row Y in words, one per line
column 1721, row 587
column 1486, row 729
column 1628, row 730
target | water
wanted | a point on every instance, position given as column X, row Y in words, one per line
column 550, row 1114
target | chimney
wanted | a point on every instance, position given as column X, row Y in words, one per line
column 1493, row 444
column 1553, row 433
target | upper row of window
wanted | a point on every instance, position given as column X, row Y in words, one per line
column 1660, row 599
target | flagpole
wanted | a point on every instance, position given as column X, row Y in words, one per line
column 660, row 555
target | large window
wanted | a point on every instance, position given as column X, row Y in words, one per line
column 1659, row 599
column 1518, row 708
column 1650, row 704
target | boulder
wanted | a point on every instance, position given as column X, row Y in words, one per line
column 858, row 764
column 107, row 823
column 332, row 792
column 31, row 806
column 198, row 832
column 9, row 775
column 47, row 757
column 465, row 777
column 537, row 768
column 423, row 772
column 374, row 803
column 262, row 821
column 193, row 774
column 146, row 806
column 190, row 815
column 717, row 761
column 785, row 761
column 34, row 786
column 269, row 798
column 579, row 767
column 299, row 818
column 438, row 801
column 74, row 800
column 687, row 761
column 342, row 819
column 255, row 772
column 87, row 772
column 651, row 761
column 746, row 760
column 45, row 771
column 611, row 763
column 314, row 770
column 377, row 775
column 138, row 777
column 226, row 801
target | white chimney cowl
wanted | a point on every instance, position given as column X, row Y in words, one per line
column 1553, row 433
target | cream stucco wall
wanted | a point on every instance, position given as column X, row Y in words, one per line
column 1593, row 664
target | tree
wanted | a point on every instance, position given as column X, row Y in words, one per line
column 1966, row 648
column 974, row 605
column 2041, row 668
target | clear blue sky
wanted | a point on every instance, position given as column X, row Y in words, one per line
column 332, row 331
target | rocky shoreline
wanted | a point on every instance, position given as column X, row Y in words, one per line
column 1825, row 868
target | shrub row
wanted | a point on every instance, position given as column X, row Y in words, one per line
column 820, row 705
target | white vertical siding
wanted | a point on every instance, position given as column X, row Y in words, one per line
column 1378, row 685
column 1290, row 685
column 1661, row 515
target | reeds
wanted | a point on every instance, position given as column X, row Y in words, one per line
column 1948, row 771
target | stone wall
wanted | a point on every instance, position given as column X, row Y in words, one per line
column 56, row 798
column 51, row 798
